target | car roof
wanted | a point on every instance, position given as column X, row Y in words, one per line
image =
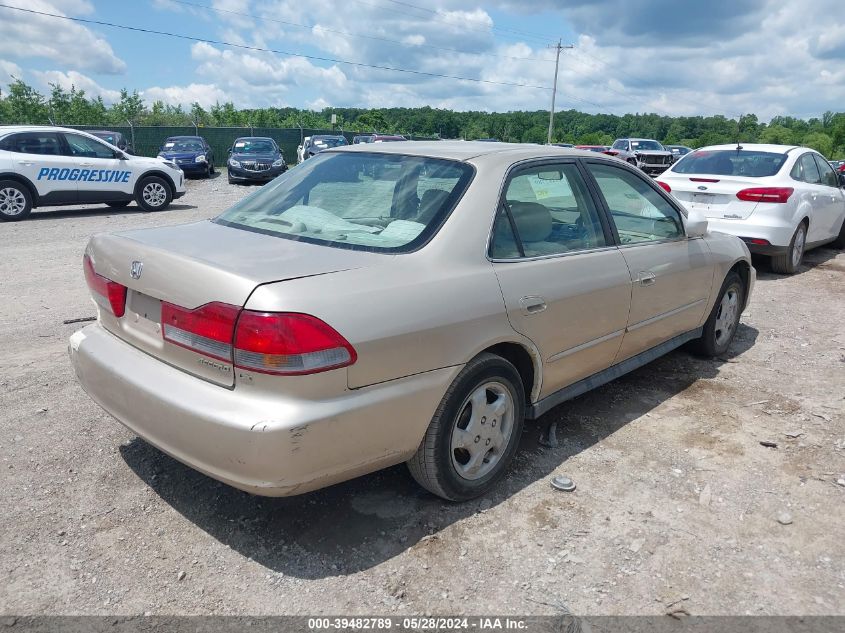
column 759, row 147
column 254, row 138
column 466, row 150
column 183, row 138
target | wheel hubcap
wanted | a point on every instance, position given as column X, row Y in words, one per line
column 727, row 316
column 482, row 430
column 798, row 246
column 12, row 201
column 154, row 194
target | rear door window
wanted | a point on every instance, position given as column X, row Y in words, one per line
column 552, row 212
column 806, row 170
column 39, row 143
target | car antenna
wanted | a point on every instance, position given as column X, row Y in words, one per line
column 738, row 132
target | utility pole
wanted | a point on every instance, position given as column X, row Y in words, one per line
column 558, row 48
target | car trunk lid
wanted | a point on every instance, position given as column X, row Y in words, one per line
column 194, row 265
column 715, row 196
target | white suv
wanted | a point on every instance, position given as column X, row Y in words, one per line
column 781, row 200
column 52, row 166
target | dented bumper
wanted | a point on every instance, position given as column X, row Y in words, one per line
column 266, row 445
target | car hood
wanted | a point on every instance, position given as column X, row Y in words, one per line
column 252, row 156
column 180, row 155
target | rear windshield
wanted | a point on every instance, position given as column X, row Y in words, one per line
column 360, row 201
column 730, row 162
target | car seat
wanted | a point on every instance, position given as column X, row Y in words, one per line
column 534, row 224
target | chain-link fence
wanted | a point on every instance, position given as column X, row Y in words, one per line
column 147, row 141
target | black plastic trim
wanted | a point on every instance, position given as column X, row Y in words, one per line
column 611, row 373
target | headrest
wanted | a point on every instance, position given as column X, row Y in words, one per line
column 533, row 221
column 430, row 204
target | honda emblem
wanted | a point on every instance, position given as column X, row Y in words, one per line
column 135, row 270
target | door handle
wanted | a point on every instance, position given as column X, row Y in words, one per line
column 85, row 164
column 647, row 278
column 532, row 305
column 25, row 162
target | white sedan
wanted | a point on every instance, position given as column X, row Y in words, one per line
column 781, row 200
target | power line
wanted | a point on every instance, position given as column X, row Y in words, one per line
column 275, row 51
column 351, row 34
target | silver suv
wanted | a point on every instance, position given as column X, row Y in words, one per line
column 647, row 154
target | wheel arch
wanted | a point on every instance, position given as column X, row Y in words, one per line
column 26, row 182
column 154, row 172
column 527, row 363
column 743, row 269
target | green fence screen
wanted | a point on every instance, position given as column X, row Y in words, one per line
column 148, row 140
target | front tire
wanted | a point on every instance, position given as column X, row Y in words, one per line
column 839, row 242
column 15, row 201
column 474, row 433
column 790, row 262
column 721, row 325
column 154, row 193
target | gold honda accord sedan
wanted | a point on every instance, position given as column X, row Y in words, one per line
column 414, row 303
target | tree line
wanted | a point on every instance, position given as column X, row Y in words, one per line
column 23, row 104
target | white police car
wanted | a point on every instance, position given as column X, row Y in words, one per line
column 53, row 166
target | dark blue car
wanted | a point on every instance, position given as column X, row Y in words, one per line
column 192, row 153
column 255, row 159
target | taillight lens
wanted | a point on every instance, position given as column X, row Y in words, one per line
column 107, row 293
column 289, row 343
column 208, row 329
column 665, row 186
column 283, row 343
column 766, row 194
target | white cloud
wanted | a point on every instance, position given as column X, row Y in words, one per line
column 80, row 81
column 9, row 70
column 204, row 94
column 28, row 35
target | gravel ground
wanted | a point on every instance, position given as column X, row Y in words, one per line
column 678, row 505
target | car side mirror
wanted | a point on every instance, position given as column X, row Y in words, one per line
column 230, row 151
column 696, row 224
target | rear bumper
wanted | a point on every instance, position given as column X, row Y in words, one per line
column 266, row 444
column 758, row 226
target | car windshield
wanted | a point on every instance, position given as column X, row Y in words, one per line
column 329, row 142
column 361, row 201
column 183, row 146
column 646, row 146
column 254, row 146
column 731, row 162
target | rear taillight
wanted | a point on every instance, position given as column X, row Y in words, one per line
column 665, row 186
column 765, row 194
column 289, row 343
column 208, row 329
column 282, row 343
column 611, row 152
column 107, row 293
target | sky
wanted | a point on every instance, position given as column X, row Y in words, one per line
column 670, row 57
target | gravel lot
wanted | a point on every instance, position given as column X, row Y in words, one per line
column 678, row 505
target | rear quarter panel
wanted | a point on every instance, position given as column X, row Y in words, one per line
column 405, row 318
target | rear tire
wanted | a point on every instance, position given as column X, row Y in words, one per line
column 474, row 433
column 15, row 201
column 721, row 325
column 153, row 193
column 789, row 262
column 211, row 169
